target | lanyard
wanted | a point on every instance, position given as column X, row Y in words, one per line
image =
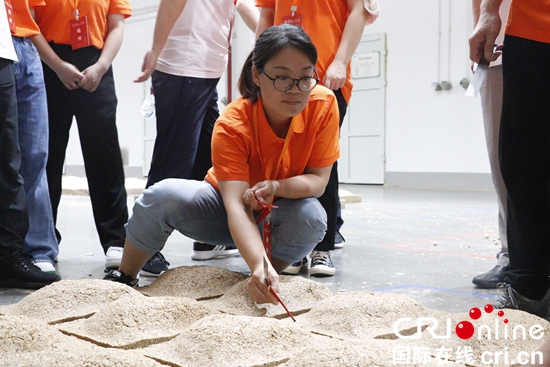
column 74, row 5
column 266, row 210
column 268, row 170
column 293, row 8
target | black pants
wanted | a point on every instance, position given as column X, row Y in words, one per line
column 186, row 110
column 96, row 119
column 14, row 220
column 525, row 163
column 329, row 200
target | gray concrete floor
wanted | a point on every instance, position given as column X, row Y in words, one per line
column 424, row 243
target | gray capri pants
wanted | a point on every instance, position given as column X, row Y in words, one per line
column 196, row 209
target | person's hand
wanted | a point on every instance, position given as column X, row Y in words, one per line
column 92, row 77
column 335, row 77
column 482, row 40
column 258, row 288
column 69, row 75
column 263, row 191
column 148, row 66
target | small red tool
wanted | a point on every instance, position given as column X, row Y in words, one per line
column 275, row 293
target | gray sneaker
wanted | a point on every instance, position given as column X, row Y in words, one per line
column 514, row 300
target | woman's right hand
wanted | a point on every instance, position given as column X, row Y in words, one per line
column 69, row 75
column 258, row 288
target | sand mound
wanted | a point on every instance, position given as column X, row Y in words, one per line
column 20, row 334
column 124, row 328
column 358, row 353
column 298, row 294
column 69, row 300
column 226, row 340
column 139, row 323
column 372, row 315
column 198, row 282
column 80, row 358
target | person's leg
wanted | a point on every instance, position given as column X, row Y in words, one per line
column 525, row 165
column 491, row 106
column 96, row 119
column 321, row 263
column 297, row 227
column 16, row 268
column 40, row 241
column 194, row 208
column 181, row 105
column 203, row 157
column 186, row 110
column 60, row 118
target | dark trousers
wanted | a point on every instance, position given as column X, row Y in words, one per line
column 186, row 110
column 96, row 120
column 14, row 220
column 330, row 200
column 525, row 163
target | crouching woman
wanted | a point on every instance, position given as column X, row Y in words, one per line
column 276, row 144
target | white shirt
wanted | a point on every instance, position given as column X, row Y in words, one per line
column 6, row 44
column 199, row 40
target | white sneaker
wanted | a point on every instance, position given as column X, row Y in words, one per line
column 45, row 266
column 113, row 257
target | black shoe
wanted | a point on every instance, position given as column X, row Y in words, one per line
column 512, row 299
column 155, row 266
column 19, row 271
column 321, row 264
column 120, row 277
column 490, row 279
column 204, row 251
column 298, row 266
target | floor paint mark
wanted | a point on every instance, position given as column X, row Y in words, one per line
column 438, row 289
column 407, row 245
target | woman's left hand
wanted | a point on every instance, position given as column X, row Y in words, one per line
column 263, row 191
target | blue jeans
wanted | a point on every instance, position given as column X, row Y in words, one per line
column 195, row 209
column 32, row 107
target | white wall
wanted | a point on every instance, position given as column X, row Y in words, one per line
column 429, row 131
column 426, row 131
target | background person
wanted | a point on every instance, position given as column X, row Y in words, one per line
column 17, row 269
column 186, row 61
column 40, row 241
column 336, row 28
column 524, row 145
column 491, row 105
column 79, row 83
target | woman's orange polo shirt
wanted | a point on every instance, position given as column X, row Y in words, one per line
column 238, row 156
column 53, row 19
column 529, row 19
column 25, row 26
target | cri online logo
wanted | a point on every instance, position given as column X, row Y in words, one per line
column 465, row 329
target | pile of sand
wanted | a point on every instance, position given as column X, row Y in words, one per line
column 101, row 323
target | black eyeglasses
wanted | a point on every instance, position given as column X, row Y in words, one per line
column 285, row 83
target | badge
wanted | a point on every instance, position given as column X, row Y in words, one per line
column 11, row 16
column 79, row 33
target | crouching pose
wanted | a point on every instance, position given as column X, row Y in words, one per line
column 276, row 144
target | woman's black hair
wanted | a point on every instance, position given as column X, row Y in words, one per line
column 269, row 44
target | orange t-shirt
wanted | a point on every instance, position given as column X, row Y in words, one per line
column 529, row 19
column 324, row 21
column 53, row 19
column 25, row 26
column 245, row 148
